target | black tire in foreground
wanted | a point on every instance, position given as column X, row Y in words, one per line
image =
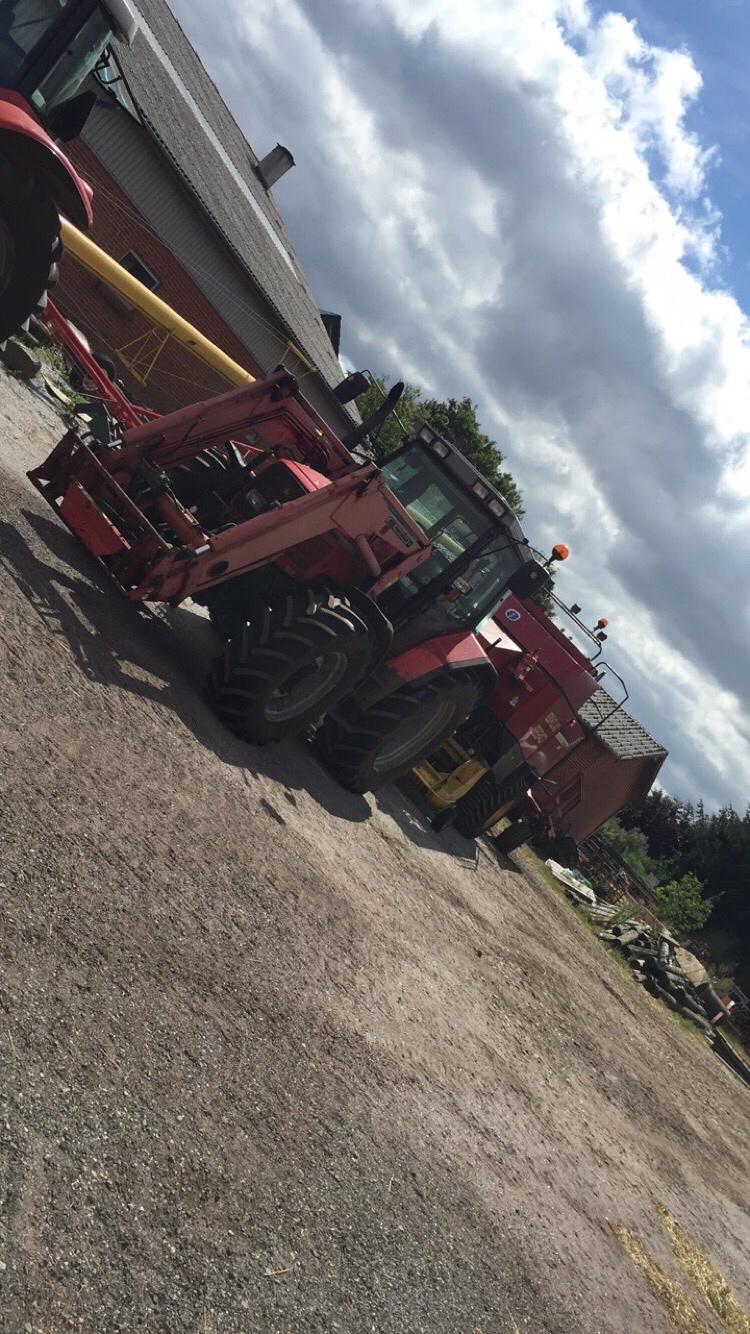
column 475, row 810
column 369, row 747
column 287, row 667
column 29, row 244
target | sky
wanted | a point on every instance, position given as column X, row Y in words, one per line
column 542, row 204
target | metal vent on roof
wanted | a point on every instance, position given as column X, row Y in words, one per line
column 274, row 165
column 332, row 323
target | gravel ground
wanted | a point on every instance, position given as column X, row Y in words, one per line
column 279, row 1059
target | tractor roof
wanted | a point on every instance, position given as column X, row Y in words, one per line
column 470, row 477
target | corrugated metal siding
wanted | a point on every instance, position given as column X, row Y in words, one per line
column 136, row 164
column 132, row 158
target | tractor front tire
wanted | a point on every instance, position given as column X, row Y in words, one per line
column 288, row 666
column 29, row 244
column 368, row 747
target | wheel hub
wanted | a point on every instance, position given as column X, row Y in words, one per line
column 306, row 686
column 414, row 736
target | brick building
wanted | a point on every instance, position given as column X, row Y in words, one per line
column 614, row 766
column 184, row 203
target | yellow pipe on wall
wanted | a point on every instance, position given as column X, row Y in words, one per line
column 98, row 262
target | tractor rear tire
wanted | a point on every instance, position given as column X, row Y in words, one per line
column 369, row 747
column 29, row 245
column 476, row 808
column 286, row 668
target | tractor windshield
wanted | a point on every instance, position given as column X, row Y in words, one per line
column 48, row 47
column 456, row 524
column 451, row 519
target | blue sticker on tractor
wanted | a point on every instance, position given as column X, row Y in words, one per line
column 512, row 614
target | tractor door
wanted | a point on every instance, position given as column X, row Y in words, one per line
column 474, row 552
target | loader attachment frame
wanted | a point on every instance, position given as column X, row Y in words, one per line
column 119, row 502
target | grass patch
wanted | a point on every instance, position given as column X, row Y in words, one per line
column 697, row 1267
column 51, row 355
column 710, row 1283
column 680, row 1311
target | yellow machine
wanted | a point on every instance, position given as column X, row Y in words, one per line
column 445, row 789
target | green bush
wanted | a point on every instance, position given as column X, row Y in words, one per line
column 681, row 903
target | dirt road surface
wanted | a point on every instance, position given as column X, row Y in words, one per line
column 279, row 1059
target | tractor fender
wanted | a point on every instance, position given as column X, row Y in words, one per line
column 379, row 626
column 453, row 653
column 24, row 141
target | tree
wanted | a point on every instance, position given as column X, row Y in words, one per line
column 681, row 903
column 661, row 819
column 632, row 846
column 714, row 849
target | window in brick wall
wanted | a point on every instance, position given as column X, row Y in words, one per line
column 135, row 266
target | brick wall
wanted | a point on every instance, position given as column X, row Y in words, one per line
column 607, row 784
column 178, row 377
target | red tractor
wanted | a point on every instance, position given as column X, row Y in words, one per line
column 347, row 593
column 523, row 727
column 47, row 49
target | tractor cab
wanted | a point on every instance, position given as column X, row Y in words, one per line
column 479, row 549
column 49, row 47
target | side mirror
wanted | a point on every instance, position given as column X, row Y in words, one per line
column 70, row 118
column 355, row 384
column 376, row 419
column 529, row 579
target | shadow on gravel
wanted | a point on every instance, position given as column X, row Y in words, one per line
column 163, row 656
column 503, row 860
column 407, row 805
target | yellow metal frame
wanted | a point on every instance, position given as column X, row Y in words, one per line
column 98, row 262
column 446, row 789
column 141, row 355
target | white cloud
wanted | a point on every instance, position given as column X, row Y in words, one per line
column 509, row 201
column 650, row 91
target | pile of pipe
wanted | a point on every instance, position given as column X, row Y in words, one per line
column 669, row 972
